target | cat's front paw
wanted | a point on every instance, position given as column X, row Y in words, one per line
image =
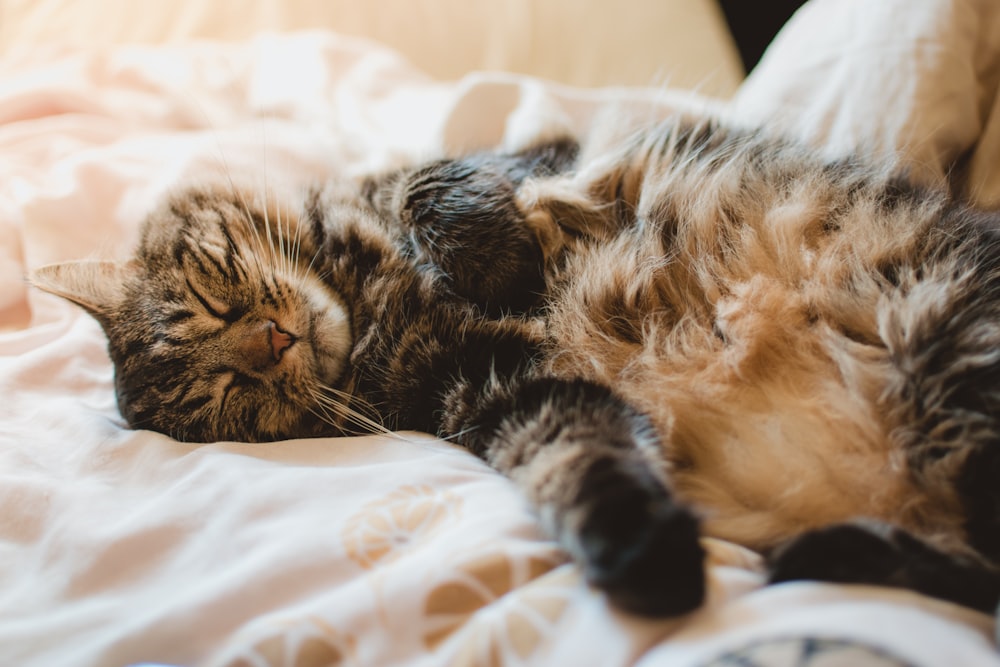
column 461, row 217
column 642, row 549
column 659, row 572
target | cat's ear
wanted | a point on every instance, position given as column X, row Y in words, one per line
column 97, row 286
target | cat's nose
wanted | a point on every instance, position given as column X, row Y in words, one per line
column 280, row 340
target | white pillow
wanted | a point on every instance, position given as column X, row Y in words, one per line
column 684, row 43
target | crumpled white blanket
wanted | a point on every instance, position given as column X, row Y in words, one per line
column 119, row 547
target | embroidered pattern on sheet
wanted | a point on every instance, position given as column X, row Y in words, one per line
column 309, row 642
column 499, row 609
column 387, row 528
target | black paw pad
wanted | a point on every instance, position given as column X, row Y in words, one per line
column 845, row 553
column 648, row 560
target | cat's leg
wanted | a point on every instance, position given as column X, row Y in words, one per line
column 460, row 217
column 948, row 357
column 939, row 321
column 881, row 555
column 591, row 203
column 587, row 461
column 620, row 181
column 590, row 465
column 597, row 200
column 940, row 324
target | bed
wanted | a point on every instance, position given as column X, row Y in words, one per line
column 121, row 547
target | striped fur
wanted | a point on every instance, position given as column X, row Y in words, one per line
column 693, row 331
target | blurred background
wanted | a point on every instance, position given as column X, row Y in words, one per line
column 706, row 45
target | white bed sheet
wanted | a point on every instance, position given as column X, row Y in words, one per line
column 119, row 547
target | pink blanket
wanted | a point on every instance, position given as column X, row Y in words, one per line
column 119, row 547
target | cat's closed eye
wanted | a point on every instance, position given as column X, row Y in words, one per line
column 214, row 306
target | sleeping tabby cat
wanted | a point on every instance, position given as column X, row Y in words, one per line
column 695, row 331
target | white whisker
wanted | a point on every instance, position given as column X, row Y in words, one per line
column 455, row 436
column 238, row 195
column 351, row 415
column 297, row 250
column 333, row 400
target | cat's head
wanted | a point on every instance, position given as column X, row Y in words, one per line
column 219, row 327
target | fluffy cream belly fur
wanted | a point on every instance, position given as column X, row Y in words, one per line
column 771, row 413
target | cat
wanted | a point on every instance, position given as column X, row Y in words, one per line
column 694, row 330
